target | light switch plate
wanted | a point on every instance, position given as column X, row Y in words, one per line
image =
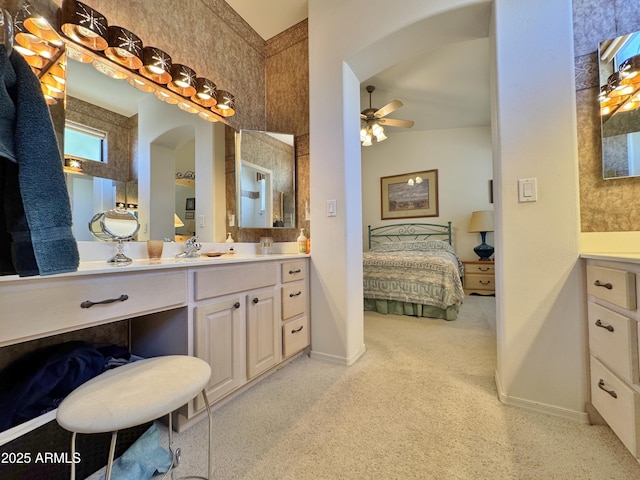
column 527, row 190
column 331, row 208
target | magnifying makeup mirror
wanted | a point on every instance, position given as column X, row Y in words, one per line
column 118, row 225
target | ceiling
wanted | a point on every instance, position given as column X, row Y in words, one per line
column 441, row 89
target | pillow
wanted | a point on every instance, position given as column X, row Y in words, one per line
column 408, row 245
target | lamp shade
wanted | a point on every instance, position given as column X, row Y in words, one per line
column 177, row 222
column 481, row 221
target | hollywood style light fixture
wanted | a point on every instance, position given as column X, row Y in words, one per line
column 621, row 93
column 116, row 52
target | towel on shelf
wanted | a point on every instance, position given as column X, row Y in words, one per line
column 35, row 212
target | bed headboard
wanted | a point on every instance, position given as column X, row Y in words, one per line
column 409, row 231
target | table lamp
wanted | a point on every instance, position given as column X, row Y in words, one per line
column 482, row 222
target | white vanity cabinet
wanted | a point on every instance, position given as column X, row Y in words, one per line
column 613, row 319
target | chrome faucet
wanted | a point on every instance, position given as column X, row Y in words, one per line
column 191, row 248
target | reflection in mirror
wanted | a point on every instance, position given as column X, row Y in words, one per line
column 155, row 144
column 619, row 99
column 265, row 169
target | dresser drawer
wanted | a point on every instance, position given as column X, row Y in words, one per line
column 294, row 300
column 46, row 307
column 488, row 267
column 614, row 286
column 295, row 336
column 618, row 404
column 479, row 282
column 613, row 339
column 294, row 270
column 217, row 281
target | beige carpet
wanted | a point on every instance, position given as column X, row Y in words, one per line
column 420, row 404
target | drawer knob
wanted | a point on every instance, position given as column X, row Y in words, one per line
column 598, row 283
column 255, row 300
column 291, row 272
column 294, row 294
column 296, row 330
column 89, row 303
column 236, row 305
column 610, row 392
column 602, row 325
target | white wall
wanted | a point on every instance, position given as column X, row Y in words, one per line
column 541, row 324
column 463, row 158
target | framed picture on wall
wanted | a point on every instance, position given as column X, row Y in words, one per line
column 191, row 204
column 410, row 195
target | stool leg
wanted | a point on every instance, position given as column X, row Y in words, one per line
column 206, row 403
column 73, row 456
column 112, row 452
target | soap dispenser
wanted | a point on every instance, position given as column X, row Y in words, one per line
column 302, row 242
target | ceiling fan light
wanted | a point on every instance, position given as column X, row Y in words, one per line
column 377, row 129
column 381, row 137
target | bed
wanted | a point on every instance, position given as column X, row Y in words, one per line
column 412, row 269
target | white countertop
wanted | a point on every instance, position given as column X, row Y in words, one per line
column 93, row 257
column 614, row 257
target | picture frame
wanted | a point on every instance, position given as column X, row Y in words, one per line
column 410, row 195
column 190, row 215
column 191, row 204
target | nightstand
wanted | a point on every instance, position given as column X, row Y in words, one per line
column 479, row 278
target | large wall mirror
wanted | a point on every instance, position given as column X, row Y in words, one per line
column 265, row 179
column 619, row 101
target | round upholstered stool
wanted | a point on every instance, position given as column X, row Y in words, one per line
column 134, row 394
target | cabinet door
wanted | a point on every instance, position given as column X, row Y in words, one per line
column 219, row 338
column 263, row 333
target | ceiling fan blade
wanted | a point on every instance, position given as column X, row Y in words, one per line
column 388, row 108
column 394, row 122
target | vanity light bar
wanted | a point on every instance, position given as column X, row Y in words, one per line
column 88, row 28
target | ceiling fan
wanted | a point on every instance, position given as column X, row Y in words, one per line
column 373, row 120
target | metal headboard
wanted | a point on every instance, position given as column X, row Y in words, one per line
column 408, row 231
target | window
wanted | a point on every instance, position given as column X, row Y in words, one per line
column 84, row 142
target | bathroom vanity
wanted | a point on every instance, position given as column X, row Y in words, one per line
column 613, row 316
column 244, row 314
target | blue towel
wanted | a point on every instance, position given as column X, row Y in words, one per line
column 35, row 223
column 142, row 459
column 38, row 381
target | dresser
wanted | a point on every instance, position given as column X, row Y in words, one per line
column 479, row 277
column 614, row 366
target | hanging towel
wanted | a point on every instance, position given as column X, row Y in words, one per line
column 35, row 213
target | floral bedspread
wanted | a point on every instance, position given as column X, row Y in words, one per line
column 424, row 272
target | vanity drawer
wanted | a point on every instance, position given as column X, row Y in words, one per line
column 618, row 404
column 612, row 285
column 294, row 271
column 216, row 281
column 294, row 300
column 33, row 309
column 613, row 339
column 295, row 336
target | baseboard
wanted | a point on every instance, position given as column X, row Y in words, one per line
column 326, row 357
column 572, row 415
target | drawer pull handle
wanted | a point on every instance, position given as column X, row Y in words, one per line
column 89, row 303
column 255, row 300
column 296, row 330
column 610, row 392
column 291, row 272
column 291, row 295
column 598, row 283
column 236, row 305
column 484, row 269
column 485, row 282
column 602, row 325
